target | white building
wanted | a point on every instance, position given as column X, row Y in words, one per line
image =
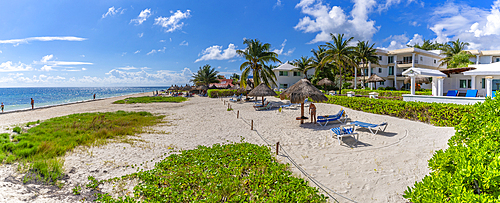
column 287, row 75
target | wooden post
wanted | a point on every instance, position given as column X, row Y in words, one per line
column 228, row 106
column 238, row 114
column 252, row 126
column 277, row 147
column 301, row 112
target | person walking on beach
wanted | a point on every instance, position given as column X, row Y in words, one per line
column 94, row 96
column 32, row 103
column 312, row 112
column 2, row 107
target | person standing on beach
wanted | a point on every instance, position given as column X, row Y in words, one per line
column 32, row 103
column 312, row 111
column 94, row 96
column 2, row 107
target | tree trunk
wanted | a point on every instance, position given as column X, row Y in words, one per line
column 340, row 87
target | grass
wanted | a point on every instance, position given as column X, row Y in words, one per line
column 43, row 145
column 147, row 99
column 240, row 172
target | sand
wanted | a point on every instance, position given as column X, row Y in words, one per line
column 378, row 168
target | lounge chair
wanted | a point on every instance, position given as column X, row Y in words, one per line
column 369, row 126
column 343, row 131
column 324, row 120
column 471, row 93
column 258, row 102
column 452, row 93
column 266, row 107
column 236, row 99
column 289, row 105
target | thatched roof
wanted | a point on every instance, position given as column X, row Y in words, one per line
column 171, row 88
column 241, row 91
column 418, row 79
column 186, row 88
column 262, row 90
column 325, row 81
column 375, row 78
column 235, row 87
column 302, row 90
column 202, row 87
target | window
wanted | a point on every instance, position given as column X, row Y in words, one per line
column 382, row 83
column 465, row 83
column 380, row 58
column 434, row 60
column 483, row 83
column 283, row 73
column 390, row 59
column 283, row 86
column 295, row 73
column 379, row 70
column 391, row 70
column 421, row 59
column 407, row 59
column 498, row 60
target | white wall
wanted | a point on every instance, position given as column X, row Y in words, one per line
column 290, row 79
column 428, row 61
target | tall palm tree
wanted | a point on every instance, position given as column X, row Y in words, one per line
column 450, row 49
column 257, row 55
column 303, row 65
column 365, row 53
column 340, row 53
column 205, row 76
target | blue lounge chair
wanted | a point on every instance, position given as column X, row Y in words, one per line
column 452, row 93
column 343, row 131
column 369, row 126
column 266, row 107
column 258, row 102
column 324, row 120
column 471, row 93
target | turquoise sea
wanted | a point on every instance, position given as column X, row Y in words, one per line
column 20, row 98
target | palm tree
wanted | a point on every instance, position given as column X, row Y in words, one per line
column 205, row 76
column 235, row 78
column 365, row 53
column 340, row 53
column 257, row 55
column 303, row 64
column 450, row 49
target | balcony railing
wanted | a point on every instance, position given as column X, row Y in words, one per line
column 406, row 62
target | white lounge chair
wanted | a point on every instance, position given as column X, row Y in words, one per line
column 343, row 131
column 369, row 126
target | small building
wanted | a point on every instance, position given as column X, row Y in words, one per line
column 287, row 75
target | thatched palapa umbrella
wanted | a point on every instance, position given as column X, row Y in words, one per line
column 300, row 91
column 325, row 82
column 262, row 90
column 418, row 79
column 375, row 78
column 186, row 88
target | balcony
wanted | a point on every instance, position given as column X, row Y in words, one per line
column 406, row 62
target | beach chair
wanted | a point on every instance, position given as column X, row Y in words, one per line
column 259, row 102
column 343, row 131
column 324, row 120
column 265, row 107
column 370, row 126
column 471, row 93
column 452, row 93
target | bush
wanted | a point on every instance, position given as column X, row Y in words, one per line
column 214, row 93
column 147, row 99
column 434, row 113
column 387, row 93
column 239, row 172
column 469, row 170
column 17, row 129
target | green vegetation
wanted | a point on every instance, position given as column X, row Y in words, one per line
column 257, row 55
column 43, row 144
column 239, row 172
column 205, row 76
column 434, row 113
column 17, row 129
column 386, row 93
column 469, row 170
column 214, row 93
column 460, row 60
column 341, row 54
column 147, row 99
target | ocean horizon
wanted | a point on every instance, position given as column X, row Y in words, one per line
column 19, row 98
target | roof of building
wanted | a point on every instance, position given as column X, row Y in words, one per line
column 285, row 67
column 484, row 69
column 424, row 72
column 223, row 83
column 409, row 50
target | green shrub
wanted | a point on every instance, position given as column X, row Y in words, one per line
column 386, row 92
column 214, row 93
column 240, row 172
column 469, row 170
column 434, row 113
column 17, row 129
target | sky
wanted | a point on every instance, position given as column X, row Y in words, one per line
column 95, row 43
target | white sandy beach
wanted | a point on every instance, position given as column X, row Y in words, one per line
column 378, row 169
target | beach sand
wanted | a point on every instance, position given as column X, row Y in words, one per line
column 376, row 169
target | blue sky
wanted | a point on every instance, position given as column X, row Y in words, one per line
column 159, row 43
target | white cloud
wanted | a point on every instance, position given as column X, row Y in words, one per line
column 156, row 51
column 26, row 40
column 480, row 27
column 138, row 51
column 184, row 43
column 216, row 53
column 173, row 23
column 280, row 51
column 142, row 17
column 140, row 34
column 127, row 68
column 11, row 67
column 162, row 40
column 84, row 69
column 417, row 39
column 47, row 60
column 82, row 55
column 396, row 42
column 278, row 4
column 124, row 53
column 112, row 11
column 389, row 3
column 46, row 68
column 0, row 51
column 326, row 20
